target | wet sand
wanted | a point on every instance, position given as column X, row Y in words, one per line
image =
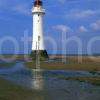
column 72, row 63
column 6, row 65
column 54, row 88
column 8, row 91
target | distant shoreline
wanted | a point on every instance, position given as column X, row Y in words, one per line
column 57, row 54
column 51, row 57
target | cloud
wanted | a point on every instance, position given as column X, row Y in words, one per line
column 83, row 29
column 17, row 6
column 79, row 14
column 95, row 25
column 3, row 4
column 62, row 28
column 22, row 9
column 62, row 1
column 66, row 29
column 68, row 1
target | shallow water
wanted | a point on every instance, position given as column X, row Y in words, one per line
column 50, row 85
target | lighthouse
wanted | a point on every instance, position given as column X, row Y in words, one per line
column 38, row 34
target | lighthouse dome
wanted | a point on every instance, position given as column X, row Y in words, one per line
column 38, row 3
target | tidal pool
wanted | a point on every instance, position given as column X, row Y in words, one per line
column 48, row 84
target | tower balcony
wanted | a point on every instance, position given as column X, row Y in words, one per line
column 38, row 10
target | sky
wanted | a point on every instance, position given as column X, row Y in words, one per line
column 77, row 19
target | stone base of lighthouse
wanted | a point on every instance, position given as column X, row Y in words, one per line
column 43, row 55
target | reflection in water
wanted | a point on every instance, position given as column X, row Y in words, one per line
column 37, row 84
column 37, row 81
column 37, row 77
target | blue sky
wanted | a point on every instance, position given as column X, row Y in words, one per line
column 78, row 18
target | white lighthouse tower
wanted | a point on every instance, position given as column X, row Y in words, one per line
column 38, row 36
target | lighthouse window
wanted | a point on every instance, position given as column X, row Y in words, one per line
column 38, row 14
